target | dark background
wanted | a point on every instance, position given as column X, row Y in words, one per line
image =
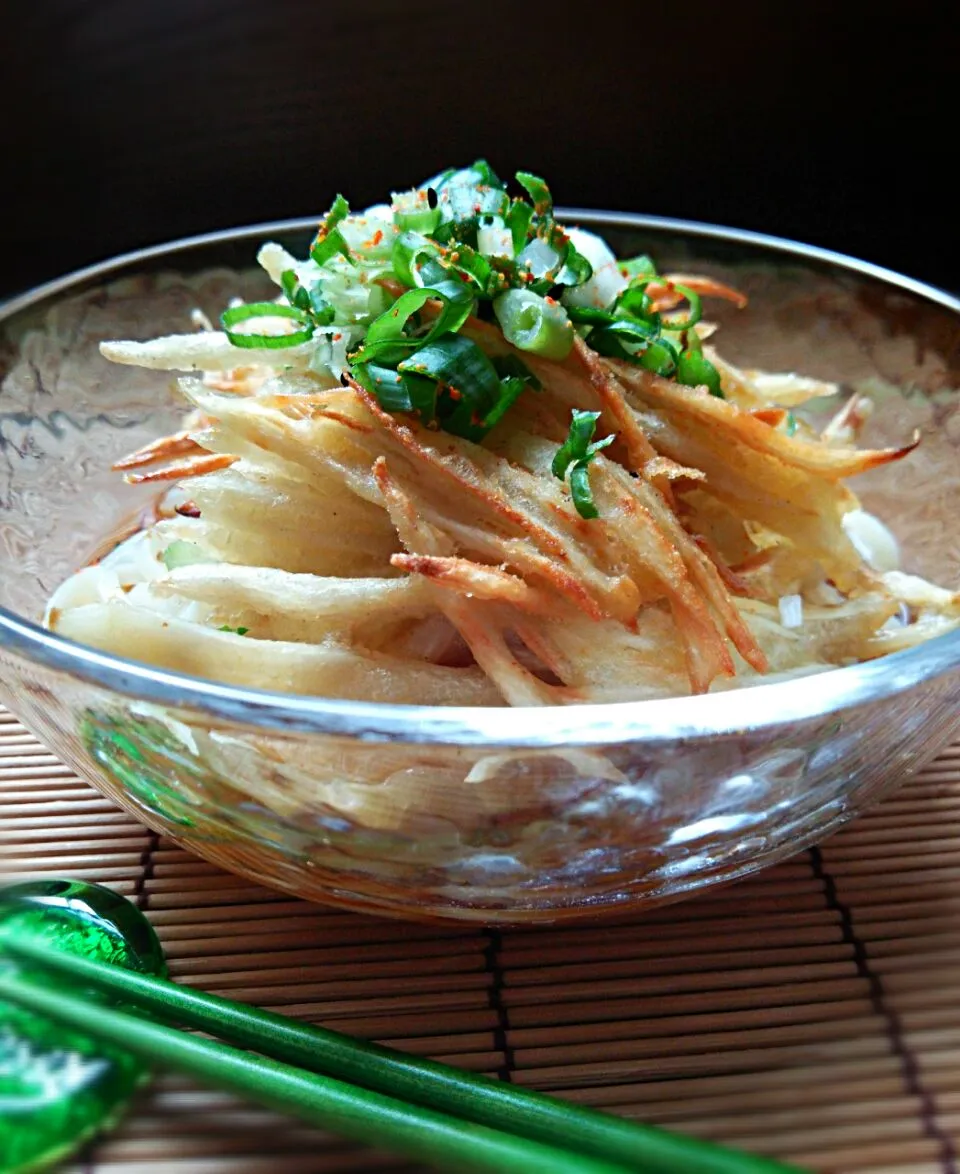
column 130, row 122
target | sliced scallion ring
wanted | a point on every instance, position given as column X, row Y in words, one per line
column 244, row 338
column 533, row 323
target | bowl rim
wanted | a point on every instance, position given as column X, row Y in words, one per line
column 678, row 719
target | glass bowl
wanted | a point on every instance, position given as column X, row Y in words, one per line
column 491, row 815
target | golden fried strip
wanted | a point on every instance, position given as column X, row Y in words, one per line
column 665, row 297
column 473, row 621
column 195, row 468
column 178, row 444
column 558, row 554
column 475, row 580
column 742, row 428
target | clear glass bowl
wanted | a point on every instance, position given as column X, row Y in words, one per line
column 494, row 815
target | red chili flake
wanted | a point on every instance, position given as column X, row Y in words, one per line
column 476, row 208
column 455, row 393
column 550, row 301
column 378, row 236
column 188, row 509
column 337, row 336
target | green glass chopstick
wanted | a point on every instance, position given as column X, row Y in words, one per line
column 496, row 1105
column 359, row 1113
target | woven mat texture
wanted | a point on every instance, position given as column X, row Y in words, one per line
column 811, row 1013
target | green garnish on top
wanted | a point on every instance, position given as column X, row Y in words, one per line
column 461, row 247
column 572, row 460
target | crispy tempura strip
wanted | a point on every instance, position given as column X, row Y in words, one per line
column 602, row 662
column 175, row 445
column 661, row 468
column 551, row 552
column 638, row 530
column 195, row 468
column 921, row 594
column 665, row 297
column 416, row 534
column 733, row 582
column 484, row 638
column 898, row 637
column 330, row 669
column 203, row 352
column 306, row 443
column 763, row 389
column 758, row 488
column 476, row 581
column 844, row 427
column 743, row 428
column 772, row 417
column 607, row 388
column 830, row 635
column 298, row 596
column 518, row 685
column 690, row 581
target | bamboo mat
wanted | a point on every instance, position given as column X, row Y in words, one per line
column 810, row 1013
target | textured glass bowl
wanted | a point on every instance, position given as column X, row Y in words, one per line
column 494, row 815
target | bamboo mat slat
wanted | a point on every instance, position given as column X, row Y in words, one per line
column 810, row 1013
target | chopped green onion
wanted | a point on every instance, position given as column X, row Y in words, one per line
column 695, row 370
column 518, row 219
column 623, row 338
column 791, row 424
column 242, row 338
column 236, row 631
column 581, row 492
column 541, row 259
column 478, row 174
column 574, row 448
column 329, row 239
column 386, row 340
column 510, row 391
column 460, row 366
column 464, row 197
column 635, row 302
column 533, row 323
column 396, row 392
column 311, row 300
column 641, row 266
column 475, row 268
column 510, row 366
column 181, row 553
column 537, row 190
column 412, row 211
column 590, row 316
column 576, row 269
column 660, row 357
column 695, row 314
column 572, row 460
column 436, row 276
column 410, row 250
column 471, row 396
